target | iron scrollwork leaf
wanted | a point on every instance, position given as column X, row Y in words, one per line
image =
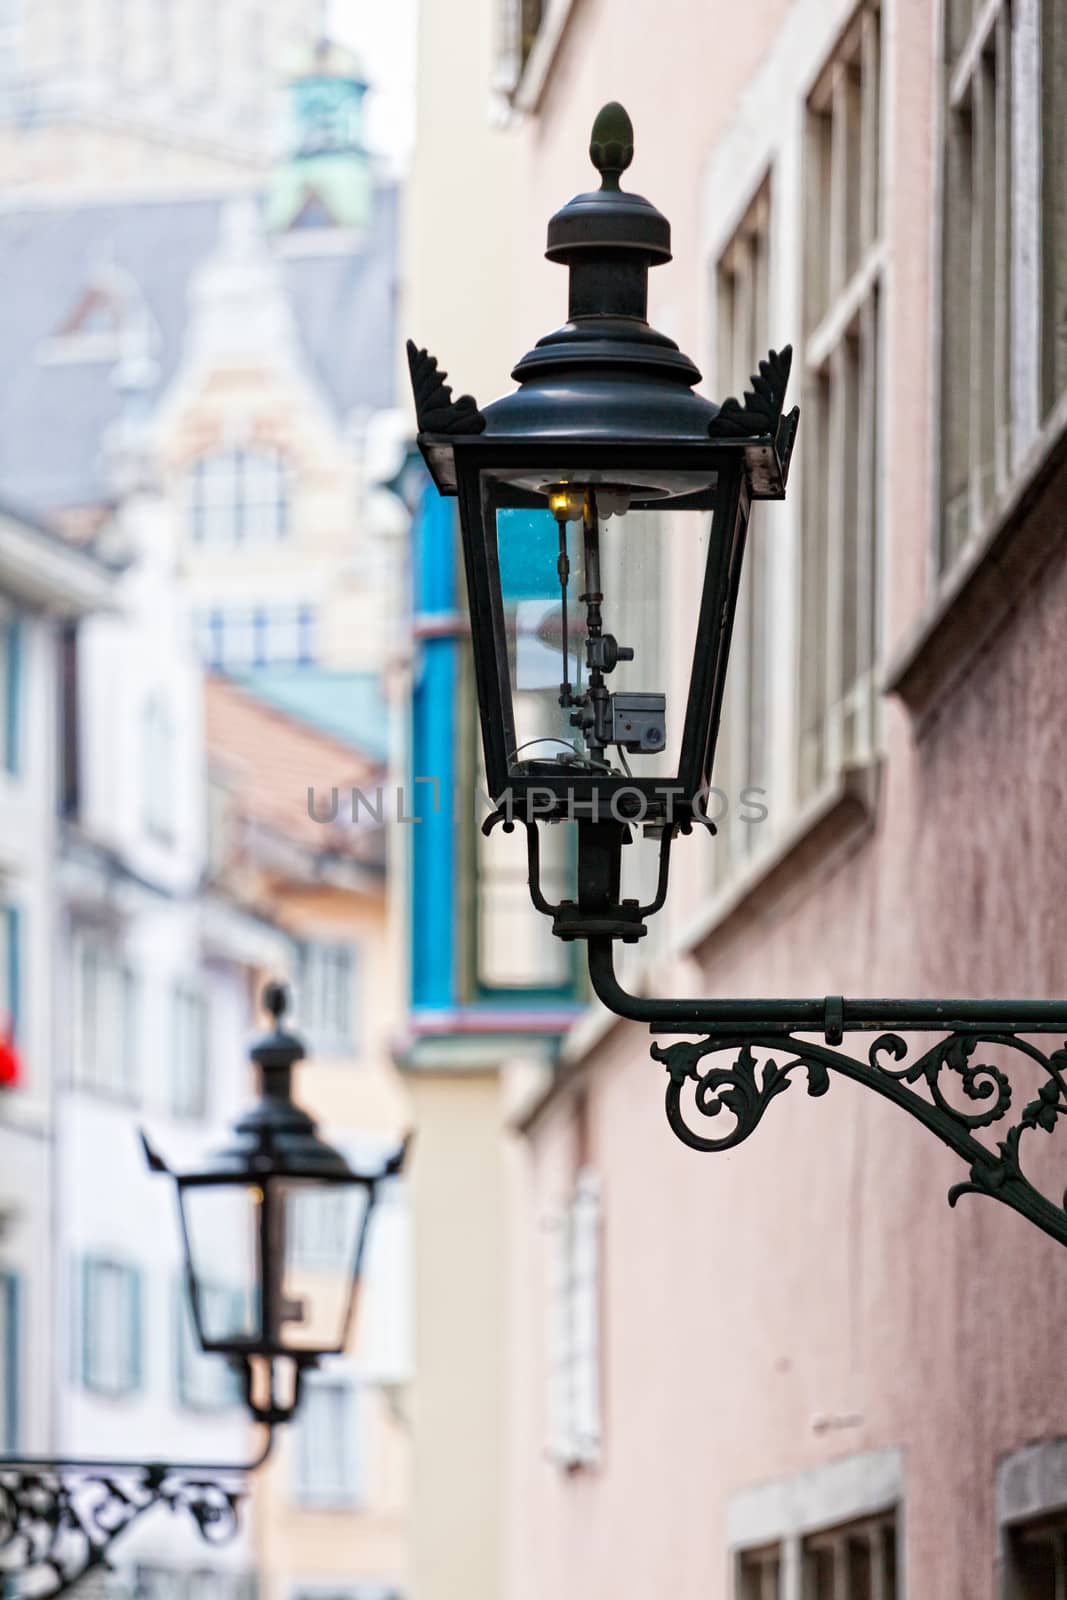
column 746, row 1085
column 435, row 408
column 761, row 412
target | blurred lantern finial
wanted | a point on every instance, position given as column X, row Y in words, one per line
column 275, row 1000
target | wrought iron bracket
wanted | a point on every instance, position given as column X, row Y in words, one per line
column 752, row 1049
column 60, row 1518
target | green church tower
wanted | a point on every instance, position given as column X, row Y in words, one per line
column 325, row 179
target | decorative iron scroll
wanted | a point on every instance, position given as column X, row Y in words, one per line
column 762, row 1068
column 58, row 1520
column 435, row 409
column 763, row 403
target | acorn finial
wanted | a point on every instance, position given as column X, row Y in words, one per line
column 275, row 1000
column 611, row 146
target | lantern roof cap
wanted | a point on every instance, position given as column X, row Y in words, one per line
column 610, row 217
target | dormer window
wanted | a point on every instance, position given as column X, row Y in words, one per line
column 91, row 331
column 239, row 496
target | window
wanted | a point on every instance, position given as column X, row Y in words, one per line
column 111, row 1327
column 328, row 996
column 10, row 693
column 518, row 24
column 1037, row 1559
column 10, row 969
column 10, row 1356
column 69, row 727
column 742, row 755
column 158, row 774
column 151, row 1582
column 1004, row 250
column 574, row 1334
column 328, row 1444
column 976, row 267
column 1053, row 204
column 857, row 1560
column 188, row 1091
column 1032, row 1518
column 828, row 1533
column 107, row 1015
column 840, row 537
column 759, row 1574
column 239, row 497
column 259, row 636
column 203, row 1382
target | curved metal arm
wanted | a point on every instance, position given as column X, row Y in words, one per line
column 832, row 1016
column 59, row 1518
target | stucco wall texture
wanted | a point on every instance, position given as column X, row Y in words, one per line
column 809, row 1295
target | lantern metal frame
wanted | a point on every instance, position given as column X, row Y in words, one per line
column 273, row 1143
column 60, row 1516
column 607, row 388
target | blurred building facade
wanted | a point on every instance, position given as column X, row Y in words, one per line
column 331, row 1508
column 203, row 350
column 98, row 92
column 793, row 1372
column 45, row 588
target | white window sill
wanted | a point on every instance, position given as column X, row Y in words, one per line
column 987, row 581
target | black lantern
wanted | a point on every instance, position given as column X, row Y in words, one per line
column 274, row 1228
column 577, row 492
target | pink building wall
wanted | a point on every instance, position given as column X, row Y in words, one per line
column 815, row 1273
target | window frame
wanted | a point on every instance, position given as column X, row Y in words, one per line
column 189, row 1096
column 232, row 487
column 742, row 279
column 331, row 1035
column 12, row 650
column 133, row 1279
column 1036, row 409
column 843, row 382
column 11, row 1345
column 1029, row 1493
column 90, row 1056
column 158, row 768
column 849, row 1491
column 349, row 1492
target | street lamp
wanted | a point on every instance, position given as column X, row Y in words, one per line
column 571, row 492
column 244, row 1215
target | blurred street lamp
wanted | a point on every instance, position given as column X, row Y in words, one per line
column 577, row 491
column 243, row 1215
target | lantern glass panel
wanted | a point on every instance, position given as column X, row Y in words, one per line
column 319, row 1233
column 222, row 1230
column 599, row 585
